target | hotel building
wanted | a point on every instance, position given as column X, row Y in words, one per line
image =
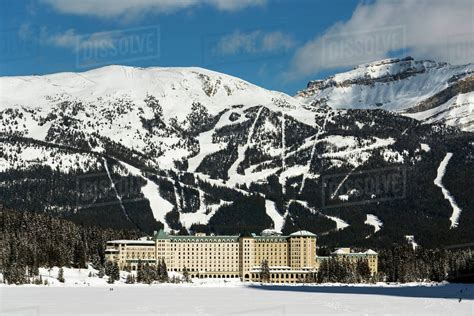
column 290, row 258
column 347, row 254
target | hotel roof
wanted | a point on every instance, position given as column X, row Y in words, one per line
column 304, row 233
column 227, row 238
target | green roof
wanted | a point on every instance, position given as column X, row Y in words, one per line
column 204, row 238
column 223, row 238
column 161, row 235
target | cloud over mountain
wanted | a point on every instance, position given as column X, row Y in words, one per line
column 426, row 29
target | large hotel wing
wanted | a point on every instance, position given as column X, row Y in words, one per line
column 290, row 258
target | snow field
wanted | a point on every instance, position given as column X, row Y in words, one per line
column 183, row 299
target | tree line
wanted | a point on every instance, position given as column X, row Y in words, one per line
column 33, row 240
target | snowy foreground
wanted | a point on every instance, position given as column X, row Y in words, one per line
column 237, row 299
column 83, row 293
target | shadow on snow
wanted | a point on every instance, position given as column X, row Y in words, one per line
column 456, row 291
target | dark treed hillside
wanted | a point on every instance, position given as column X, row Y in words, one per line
column 38, row 240
column 130, row 161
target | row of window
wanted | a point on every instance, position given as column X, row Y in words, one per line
column 281, row 275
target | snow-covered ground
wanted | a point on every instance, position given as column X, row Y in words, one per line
column 83, row 293
column 457, row 111
column 168, row 299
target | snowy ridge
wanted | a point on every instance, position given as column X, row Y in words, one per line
column 447, row 195
column 458, row 111
column 176, row 88
column 396, row 85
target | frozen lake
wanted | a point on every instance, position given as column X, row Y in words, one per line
column 236, row 300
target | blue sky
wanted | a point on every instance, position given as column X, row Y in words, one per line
column 277, row 44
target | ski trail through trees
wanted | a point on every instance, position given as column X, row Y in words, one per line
column 112, row 185
column 308, row 166
column 447, row 195
column 233, row 175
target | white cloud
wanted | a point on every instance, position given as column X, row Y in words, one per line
column 136, row 8
column 231, row 5
column 76, row 42
column 255, row 42
column 440, row 30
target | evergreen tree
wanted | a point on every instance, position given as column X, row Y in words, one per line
column 101, row 272
column 109, row 267
column 110, row 280
column 148, row 273
column 186, row 275
column 61, row 275
column 264, row 271
column 15, row 273
column 183, row 231
column 79, row 259
column 38, row 280
column 140, row 276
column 363, row 271
column 34, row 270
column 130, row 279
column 310, row 277
column 115, row 273
column 163, row 271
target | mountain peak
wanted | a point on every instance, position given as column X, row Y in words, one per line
column 400, row 85
column 176, row 88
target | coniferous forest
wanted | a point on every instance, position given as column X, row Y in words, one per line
column 32, row 240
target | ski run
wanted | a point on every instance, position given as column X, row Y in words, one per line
column 447, row 195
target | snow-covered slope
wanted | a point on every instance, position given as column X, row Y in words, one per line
column 124, row 104
column 176, row 88
column 145, row 148
column 427, row 90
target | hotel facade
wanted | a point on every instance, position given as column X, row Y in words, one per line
column 290, row 258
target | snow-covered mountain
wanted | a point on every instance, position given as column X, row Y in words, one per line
column 176, row 88
column 191, row 148
column 124, row 104
column 425, row 90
